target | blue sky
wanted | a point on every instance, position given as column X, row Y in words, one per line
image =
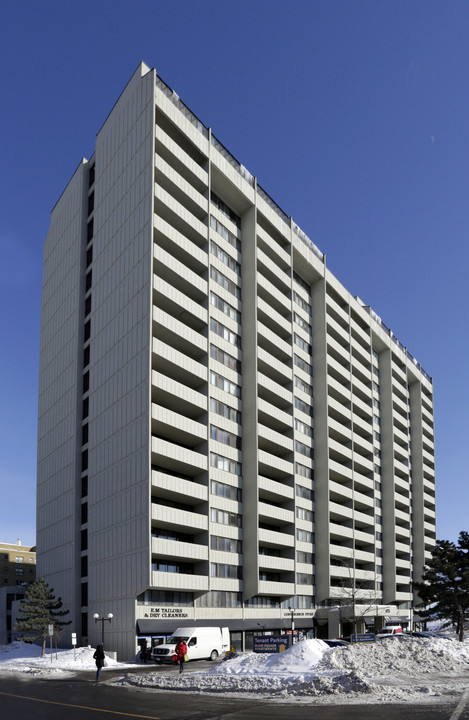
column 354, row 117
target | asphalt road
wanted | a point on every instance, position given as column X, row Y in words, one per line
column 79, row 698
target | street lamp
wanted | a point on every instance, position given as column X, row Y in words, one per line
column 291, row 610
column 102, row 620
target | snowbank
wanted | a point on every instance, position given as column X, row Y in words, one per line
column 21, row 657
column 393, row 670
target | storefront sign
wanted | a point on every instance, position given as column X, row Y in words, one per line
column 167, row 613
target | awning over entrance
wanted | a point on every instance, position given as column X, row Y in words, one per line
column 166, row 627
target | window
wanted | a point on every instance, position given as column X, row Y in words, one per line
column 302, row 364
column 303, row 514
column 225, row 233
column 225, row 544
column 304, row 557
column 301, row 303
column 86, row 381
column 88, row 281
column 302, row 283
column 304, row 579
column 86, row 356
column 172, row 567
column 222, row 570
column 90, row 203
column 263, row 601
column 89, row 256
column 225, row 209
column 87, row 332
column 19, row 571
column 302, row 405
column 224, row 463
column 225, row 307
column 225, row 518
column 225, row 258
column 224, row 384
column 84, row 486
column 19, row 559
column 84, row 594
column 84, row 540
column 305, row 346
column 223, row 490
column 222, row 280
column 303, row 386
column 84, row 513
column 303, row 470
column 304, row 493
column 228, row 360
column 85, row 408
column 88, row 305
column 91, row 176
column 84, row 460
column 304, row 535
column 225, row 437
column 302, row 323
column 89, row 231
column 84, row 434
column 84, row 565
column 220, row 408
column 303, row 428
column 220, row 598
column 303, row 449
column 224, row 332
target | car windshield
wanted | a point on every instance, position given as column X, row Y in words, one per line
column 175, row 639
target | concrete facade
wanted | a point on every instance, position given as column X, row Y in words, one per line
column 226, row 435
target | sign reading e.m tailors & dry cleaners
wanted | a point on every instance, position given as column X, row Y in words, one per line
column 166, row 613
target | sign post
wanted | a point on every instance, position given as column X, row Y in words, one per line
column 51, row 632
column 74, row 643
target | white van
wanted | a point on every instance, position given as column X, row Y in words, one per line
column 389, row 631
column 202, row 643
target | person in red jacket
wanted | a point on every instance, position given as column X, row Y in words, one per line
column 181, row 650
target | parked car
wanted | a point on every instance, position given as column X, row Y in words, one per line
column 336, row 642
column 389, row 631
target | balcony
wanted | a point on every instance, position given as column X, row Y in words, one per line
column 273, row 466
column 178, row 365
column 171, row 486
column 275, row 515
column 178, row 245
column 273, row 392
column 270, row 293
column 271, row 538
column 177, row 550
column 279, row 564
column 184, row 160
column 274, row 442
column 268, row 364
column 273, row 343
column 273, row 319
column 276, row 588
column 174, row 518
column 177, row 458
column 176, row 214
column 181, row 276
column 274, row 491
column 271, row 416
column 183, row 191
column 171, row 393
column 179, row 581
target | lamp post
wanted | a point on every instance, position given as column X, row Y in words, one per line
column 291, row 610
column 102, row 620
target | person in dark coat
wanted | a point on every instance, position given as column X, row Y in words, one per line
column 181, row 650
column 99, row 658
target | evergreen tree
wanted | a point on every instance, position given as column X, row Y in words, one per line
column 39, row 609
column 445, row 583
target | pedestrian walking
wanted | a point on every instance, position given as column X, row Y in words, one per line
column 181, row 652
column 99, row 658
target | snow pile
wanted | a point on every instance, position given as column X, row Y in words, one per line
column 26, row 658
column 393, row 670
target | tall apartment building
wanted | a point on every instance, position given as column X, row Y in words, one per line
column 226, row 435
